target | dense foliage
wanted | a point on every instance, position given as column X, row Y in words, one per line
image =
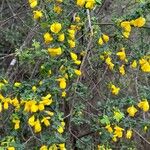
column 75, row 74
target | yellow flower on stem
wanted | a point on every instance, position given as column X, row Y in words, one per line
column 55, row 27
column 17, row 84
column 34, row 88
column 62, row 83
column 139, row 22
column 55, row 51
column 48, row 38
column 31, row 121
column 100, row 41
column 118, row 131
column 145, row 65
column 57, row 9
column 17, row 123
column 37, row 126
column 81, row 3
column 73, row 56
column 105, row 38
column 72, row 43
column 61, row 37
column 33, row 3
column 121, row 54
column 62, row 146
column 43, row 147
column 131, row 111
column 126, row 26
column 77, row 72
column 129, row 134
column 37, row 14
column 11, row 148
column 134, row 64
column 63, row 94
column 46, row 121
column 108, row 61
column 114, row 90
column 126, row 34
column 109, row 128
column 122, row 70
column 90, row 4
column 144, row 105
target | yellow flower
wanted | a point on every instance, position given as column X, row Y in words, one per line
column 37, row 126
column 5, row 81
column 17, row 84
column 57, row 9
column 62, row 146
column 145, row 65
column 131, row 111
column 144, row 105
column 53, row 147
column 81, row 3
column 34, row 89
column 17, row 124
column 139, row 22
column 77, row 62
column 122, row 70
column 126, row 34
column 121, row 54
column 48, row 38
column 114, row 138
column 72, row 43
column 62, row 83
column 129, row 134
column 126, row 26
column 50, row 113
column 105, row 38
column 6, row 103
column 73, row 56
column 109, row 128
column 90, row 4
column 145, row 128
column 63, row 94
column 77, row 19
column 61, row 37
column 37, row 14
column 55, row 51
column 114, row 90
column 60, row 1
column 33, row 3
column 118, row 131
column 47, row 96
column 41, row 106
column 71, row 33
column 31, row 121
column 55, row 27
column 77, row 72
column 44, row 147
column 11, row 148
column 100, row 41
column 60, row 129
column 46, row 121
column 134, row 64
column 108, row 61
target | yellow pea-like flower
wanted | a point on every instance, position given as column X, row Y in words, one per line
column 55, row 27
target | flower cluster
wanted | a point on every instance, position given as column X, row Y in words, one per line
column 126, row 25
column 89, row 4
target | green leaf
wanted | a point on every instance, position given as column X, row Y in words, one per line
column 99, row 2
column 105, row 120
